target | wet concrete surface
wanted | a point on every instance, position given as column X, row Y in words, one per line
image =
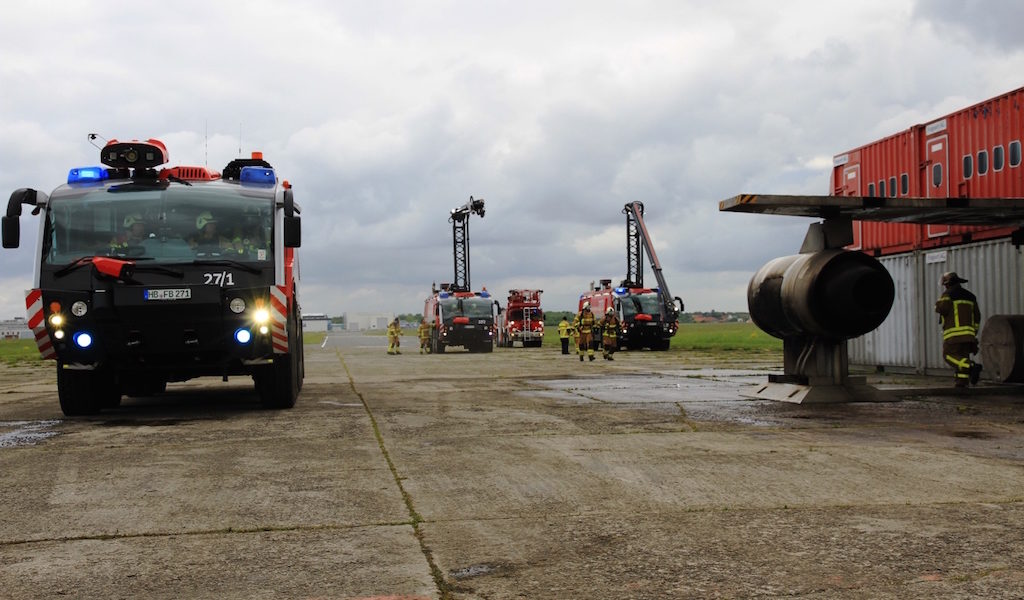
column 517, row 474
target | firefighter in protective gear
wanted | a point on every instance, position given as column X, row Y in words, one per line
column 585, row 326
column 960, row 316
column 424, row 334
column 610, row 338
column 563, row 334
column 394, row 335
column 135, row 232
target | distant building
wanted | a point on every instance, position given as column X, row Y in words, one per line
column 15, row 329
column 315, row 322
column 364, row 321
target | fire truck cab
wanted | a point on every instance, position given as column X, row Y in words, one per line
column 459, row 319
column 145, row 276
column 522, row 319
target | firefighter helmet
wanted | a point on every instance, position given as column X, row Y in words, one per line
column 951, row 277
column 586, row 306
column 133, row 219
column 609, row 311
column 204, row 218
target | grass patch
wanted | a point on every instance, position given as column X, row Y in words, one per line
column 706, row 336
column 313, row 337
column 724, row 336
column 13, row 352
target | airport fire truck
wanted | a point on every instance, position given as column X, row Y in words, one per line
column 145, row 276
column 521, row 320
column 649, row 316
column 458, row 316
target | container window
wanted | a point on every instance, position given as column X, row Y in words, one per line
column 904, row 184
column 1015, row 153
column 998, row 158
column 871, row 190
column 892, row 186
column 937, row 175
column 881, row 188
column 982, row 162
column 968, row 166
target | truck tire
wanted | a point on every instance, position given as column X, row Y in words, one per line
column 661, row 345
column 76, row 391
column 278, row 384
column 436, row 345
column 486, row 346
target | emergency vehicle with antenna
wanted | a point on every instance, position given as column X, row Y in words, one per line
column 649, row 316
column 457, row 315
column 521, row 320
column 145, row 276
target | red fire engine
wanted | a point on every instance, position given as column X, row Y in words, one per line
column 521, row 320
column 144, row 277
column 648, row 315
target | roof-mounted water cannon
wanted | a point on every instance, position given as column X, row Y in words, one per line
column 134, row 154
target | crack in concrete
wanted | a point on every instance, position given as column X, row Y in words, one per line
column 444, row 588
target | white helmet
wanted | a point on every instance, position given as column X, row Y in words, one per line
column 586, row 306
column 609, row 311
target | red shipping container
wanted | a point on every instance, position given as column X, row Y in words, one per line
column 972, row 153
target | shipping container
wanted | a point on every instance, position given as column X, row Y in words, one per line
column 911, row 338
column 972, row 153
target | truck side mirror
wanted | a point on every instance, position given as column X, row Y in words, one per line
column 11, row 227
column 11, row 232
column 292, row 232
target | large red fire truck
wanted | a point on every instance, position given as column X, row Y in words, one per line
column 146, row 276
column 649, row 316
column 521, row 320
column 458, row 316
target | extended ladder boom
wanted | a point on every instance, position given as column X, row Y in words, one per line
column 460, row 241
column 637, row 236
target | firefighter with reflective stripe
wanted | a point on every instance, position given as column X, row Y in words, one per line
column 610, row 338
column 585, row 326
column 424, row 334
column 959, row 314
column 394, row 333
column 563, row 334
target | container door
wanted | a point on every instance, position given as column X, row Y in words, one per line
column 851, row 187
column 937, row 177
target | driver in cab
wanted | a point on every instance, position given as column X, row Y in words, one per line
column 134, row 233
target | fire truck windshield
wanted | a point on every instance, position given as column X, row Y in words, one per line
column 476, row 308
column 647, row 303
column 159, row 224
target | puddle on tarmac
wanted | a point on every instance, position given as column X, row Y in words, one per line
column 704, row 394
column 26, row 433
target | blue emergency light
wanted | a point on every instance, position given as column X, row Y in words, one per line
column 621, row 291
column 87, row 175
column 443, row 295
column 261, row 175
column 485, row 294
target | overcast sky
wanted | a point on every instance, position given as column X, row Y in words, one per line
column 386, row 115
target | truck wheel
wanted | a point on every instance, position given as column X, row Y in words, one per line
column 661, row 345
column 76, row 391
column 278, row 384
column 486, row 346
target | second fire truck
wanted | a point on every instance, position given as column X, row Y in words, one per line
column 522, row 319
